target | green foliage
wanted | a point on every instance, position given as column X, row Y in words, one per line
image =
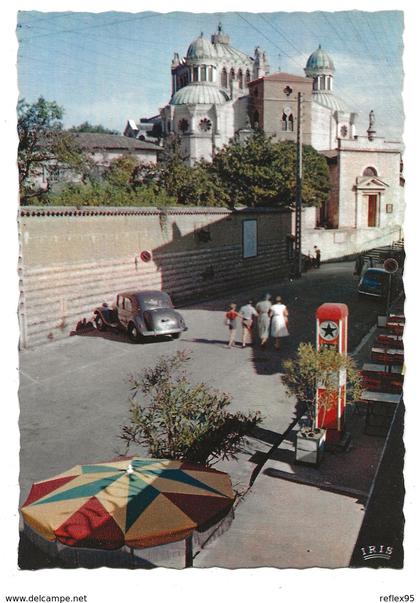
column 88, row 127
column 197, row 185
column 257, row 172
column 43, row 145
column 177, row 419
column 263, row 172
column 103, row 194
column 121, row 171
column 310, row 368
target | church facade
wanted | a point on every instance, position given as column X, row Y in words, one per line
column 220, row 93
column 365, row 169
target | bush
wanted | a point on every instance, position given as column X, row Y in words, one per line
column 177, row 419
column 311, row 368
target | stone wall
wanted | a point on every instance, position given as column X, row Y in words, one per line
column 343, row 243
column 72, row 260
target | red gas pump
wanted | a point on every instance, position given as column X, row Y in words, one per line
column 331, row 333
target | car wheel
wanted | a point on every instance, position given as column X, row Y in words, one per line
column 133, row 332
column 176, row 335
column 99, row 322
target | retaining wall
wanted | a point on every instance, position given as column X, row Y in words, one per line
column 73, row 259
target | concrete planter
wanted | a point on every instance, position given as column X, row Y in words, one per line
column 310, row 445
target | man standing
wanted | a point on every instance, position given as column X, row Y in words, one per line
column 247, row 313
column 317, row 262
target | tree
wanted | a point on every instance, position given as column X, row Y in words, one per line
column 43, row 145
column 303, row 374
column 262, row 172
column 196, row 185
column 88, row 127
column 177, row 419
column 121, row 170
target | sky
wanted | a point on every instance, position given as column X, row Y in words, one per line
column 107, row 72
column 109, row 67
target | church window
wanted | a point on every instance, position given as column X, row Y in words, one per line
column 287, row 120
column 205, row 125
column 247, row 77
column 256, row 118
column 231, row 76
column 288, row 91
column 183, row 125
column 210, row 73
column 224, row 78
column 344, row 131
column 240, row 79
column 322, row 82
column 195, row 74
column 370, row 171
column 203, row 73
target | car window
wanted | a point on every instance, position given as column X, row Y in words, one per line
column 157, row 300
column 375, row 277
column 127, row 304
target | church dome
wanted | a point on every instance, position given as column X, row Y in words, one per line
column 330, row 100
column 200, row 48
column 199, row 93
column 319, row 62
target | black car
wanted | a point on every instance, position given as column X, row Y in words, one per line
column 141, row 314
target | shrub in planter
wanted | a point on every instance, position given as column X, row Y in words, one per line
column 305, row 373
column 177, row 419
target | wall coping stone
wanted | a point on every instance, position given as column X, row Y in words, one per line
column 68, row 211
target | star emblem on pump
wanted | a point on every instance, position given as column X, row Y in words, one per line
column 328, row 330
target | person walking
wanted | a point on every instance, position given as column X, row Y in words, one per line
column 279, row 321
column 317, row 259
column 263, row 321
column 247, row 313
column 231, row 318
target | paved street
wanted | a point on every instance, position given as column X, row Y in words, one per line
column 74, row 398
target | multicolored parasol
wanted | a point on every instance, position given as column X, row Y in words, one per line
column 136, row 502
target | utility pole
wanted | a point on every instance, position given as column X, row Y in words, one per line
column 298, row 203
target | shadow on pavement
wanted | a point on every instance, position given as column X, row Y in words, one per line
column 380, row 540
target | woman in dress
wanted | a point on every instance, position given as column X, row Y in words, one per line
column 279, row 321
column 263, row 321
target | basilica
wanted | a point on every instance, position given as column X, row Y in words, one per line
column 220, row 93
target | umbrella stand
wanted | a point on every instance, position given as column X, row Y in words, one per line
column 189, row 551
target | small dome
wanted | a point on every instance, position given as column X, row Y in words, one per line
column 319, row 62
column 199, row 93
column 200, row 48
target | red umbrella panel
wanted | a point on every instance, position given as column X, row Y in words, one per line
column 136, row 502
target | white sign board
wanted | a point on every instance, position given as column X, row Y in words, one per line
column 249, row 238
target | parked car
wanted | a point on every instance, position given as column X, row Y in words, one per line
column 141, row 314
column 375, row 282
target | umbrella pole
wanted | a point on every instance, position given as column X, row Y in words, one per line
column 188, row 551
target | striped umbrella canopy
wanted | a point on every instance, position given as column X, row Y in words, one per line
column 136, row 502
